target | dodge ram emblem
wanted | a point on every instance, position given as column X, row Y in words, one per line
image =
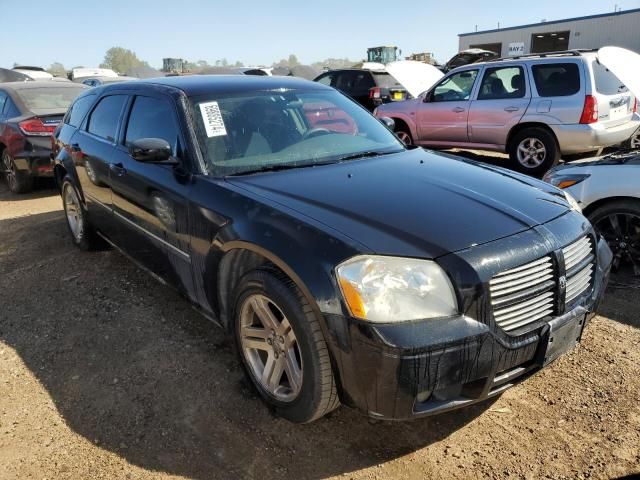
column 563, row 282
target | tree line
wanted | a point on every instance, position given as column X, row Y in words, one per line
column 122, row 60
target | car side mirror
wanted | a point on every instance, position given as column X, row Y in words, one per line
column 151, row 150
column 427, row 97
column 388, row 122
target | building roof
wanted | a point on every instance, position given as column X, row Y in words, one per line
column 566, row 20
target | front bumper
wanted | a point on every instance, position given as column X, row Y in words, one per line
column 585, row 138
column 415, row 369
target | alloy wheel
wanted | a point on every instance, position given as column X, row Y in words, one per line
column 622, row 233
column 10, row 170
column 404, row 137
column 74, row 213
column 531, row 152
column 270, row 348
column 635, row 141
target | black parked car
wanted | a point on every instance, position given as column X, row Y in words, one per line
column 29, row 113
column 348, row 267
column 370, row 88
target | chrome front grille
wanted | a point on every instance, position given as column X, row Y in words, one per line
column 579, row 264
column 523, row 295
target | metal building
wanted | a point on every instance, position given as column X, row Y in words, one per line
column 620, row 28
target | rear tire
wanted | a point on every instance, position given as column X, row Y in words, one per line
column 18, row 181
column 534, row 151
column 633, row 142
column 83, row 235
column 273, row 322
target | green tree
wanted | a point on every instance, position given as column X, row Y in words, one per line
column 57, row 70
column 121, row 59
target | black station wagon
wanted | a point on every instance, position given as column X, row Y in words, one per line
column 348, row 267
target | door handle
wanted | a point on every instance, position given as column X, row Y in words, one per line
column 458, row 109
column 511, row 109
column 118, row 169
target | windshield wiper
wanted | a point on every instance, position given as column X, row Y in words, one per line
column 363, row 155
column 276, row 168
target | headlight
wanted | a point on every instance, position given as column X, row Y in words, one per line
column 564, row 181
column 392, row 289
column 572, row 202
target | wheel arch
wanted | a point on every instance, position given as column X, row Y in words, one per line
column 524, row 126
column 592, row 207
column 239, row 258
column 402, row 120
column 59, row 172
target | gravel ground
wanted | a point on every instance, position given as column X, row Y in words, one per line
column 105, row 373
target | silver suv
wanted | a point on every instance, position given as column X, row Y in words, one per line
column 535, row 107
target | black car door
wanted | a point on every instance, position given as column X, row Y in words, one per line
column 150, row 200
column 92, row 148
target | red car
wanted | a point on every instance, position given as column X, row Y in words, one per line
column 29, row 113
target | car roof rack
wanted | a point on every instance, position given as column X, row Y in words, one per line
column 564, row 53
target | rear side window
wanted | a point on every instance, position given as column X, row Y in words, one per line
column 3, row 99
column 78, row 110
column 325, row 79
column 103, row 121
column 152, row 118
column 502, row 82
column 556, row 79
column 606, row 82
column 10, row 109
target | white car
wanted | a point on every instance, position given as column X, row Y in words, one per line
column 608, row 190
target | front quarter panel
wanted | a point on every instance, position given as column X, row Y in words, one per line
column 605, row 182
column 224, row 219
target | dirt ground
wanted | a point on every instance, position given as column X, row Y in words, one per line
column 105, row 373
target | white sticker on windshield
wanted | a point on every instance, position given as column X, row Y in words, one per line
column 212, row 118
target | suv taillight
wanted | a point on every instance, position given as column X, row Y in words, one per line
column 635, row 106
column 590, row 110
column 374, row 92
column 34, row 126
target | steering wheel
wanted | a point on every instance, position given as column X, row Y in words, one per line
column 314, row 132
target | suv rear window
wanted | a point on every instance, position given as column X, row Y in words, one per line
column 606, row 82
column 385, row 80
column 556, row 79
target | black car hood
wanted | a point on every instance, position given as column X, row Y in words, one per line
column 414, row 203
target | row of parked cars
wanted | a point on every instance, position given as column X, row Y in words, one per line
column 347, row 266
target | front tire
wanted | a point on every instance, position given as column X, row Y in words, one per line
column 18, row 182
column 618, row 222
column 82, row 233
column 404, row 135
column 534, row 151
column 282, row 349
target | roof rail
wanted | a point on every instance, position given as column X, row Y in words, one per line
column 565, row 53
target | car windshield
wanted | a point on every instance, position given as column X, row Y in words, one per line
column 49, row 98
column 271, row 130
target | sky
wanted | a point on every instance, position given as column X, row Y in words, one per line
column 258, row 32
